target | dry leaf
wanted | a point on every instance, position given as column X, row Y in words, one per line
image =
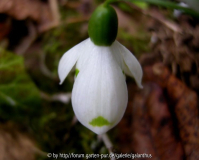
column 185, row 106
column 23, row 9
column 153, row 129
column 15, row 145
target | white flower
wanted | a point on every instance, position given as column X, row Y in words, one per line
column 99, row 96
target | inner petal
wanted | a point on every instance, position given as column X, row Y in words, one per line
column 100, row 91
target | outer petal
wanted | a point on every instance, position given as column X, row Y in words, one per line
column 69, row 59
column 83, row 59
column 130, row 65
column 99, row 95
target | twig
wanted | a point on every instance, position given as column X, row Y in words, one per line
column 44, row 69
column 55, row 11
column 55, row 14
column 74, row 121
column 27, row 41
column 62, row 97
column 63, row 2
column 77, row 20
column 172, row 26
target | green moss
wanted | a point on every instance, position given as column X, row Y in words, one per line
column 19, row 97
column 99, row 122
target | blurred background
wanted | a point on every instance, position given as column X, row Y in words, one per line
column 36, row 115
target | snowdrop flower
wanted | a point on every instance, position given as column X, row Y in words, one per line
column 99, row 95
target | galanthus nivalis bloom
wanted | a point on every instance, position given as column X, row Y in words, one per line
column 99, row 95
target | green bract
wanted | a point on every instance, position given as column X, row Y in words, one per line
column 103, row 25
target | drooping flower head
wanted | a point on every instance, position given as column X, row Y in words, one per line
column 99, row 95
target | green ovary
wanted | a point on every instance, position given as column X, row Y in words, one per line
column 99, row 122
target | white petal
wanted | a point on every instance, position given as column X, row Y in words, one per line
column 83, row 59
column 118, row 57
column 69, row 59
column 99, row 95
column 131, row 65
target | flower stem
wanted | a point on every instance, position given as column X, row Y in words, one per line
column 167, row 4
column 107, row 2
column 108, row 144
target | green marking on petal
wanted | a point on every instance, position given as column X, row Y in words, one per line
column 76, row 72
column 99, row 122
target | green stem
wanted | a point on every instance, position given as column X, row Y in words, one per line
column 169, row 4
column 161, row 3
column 107, row 2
